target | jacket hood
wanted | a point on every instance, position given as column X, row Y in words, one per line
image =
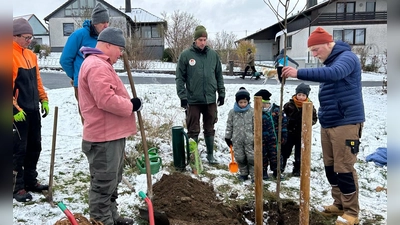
column 86, row 51
column 339, row 47
column 86, row 24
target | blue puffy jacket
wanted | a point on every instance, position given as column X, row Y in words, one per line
column 71, row 58
column 340, row 90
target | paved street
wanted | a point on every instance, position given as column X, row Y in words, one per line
column 60, row 80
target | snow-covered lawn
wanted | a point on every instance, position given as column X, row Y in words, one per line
column 162, row 109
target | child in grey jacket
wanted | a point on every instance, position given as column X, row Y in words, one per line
column 240, row 134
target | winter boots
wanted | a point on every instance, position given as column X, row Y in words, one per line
column 37, row 187
column 123, row 221
column 22, row 196
column 210, row 149
column 347, row 220
column 331, row 210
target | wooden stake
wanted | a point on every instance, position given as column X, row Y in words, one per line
column 141, row 126
column 305, row 163
column 258, row 163
column 49, row 196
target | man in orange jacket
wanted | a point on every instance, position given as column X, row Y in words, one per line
column 28, row 91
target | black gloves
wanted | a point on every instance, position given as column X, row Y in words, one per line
column 184, row 103
column 228, row 142
column 220, row 101
column 137, row 104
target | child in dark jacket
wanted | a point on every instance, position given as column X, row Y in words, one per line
column 270, row 126
column 293, row 110
column 239, row 133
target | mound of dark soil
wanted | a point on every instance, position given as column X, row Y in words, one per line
column 188, row 201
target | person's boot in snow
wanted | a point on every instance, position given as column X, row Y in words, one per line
column 22, row 196
column 37, row 187
column 210, row 149
column 346, row 219
column 123, row 221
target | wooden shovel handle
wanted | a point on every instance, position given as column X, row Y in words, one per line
column 141, row 126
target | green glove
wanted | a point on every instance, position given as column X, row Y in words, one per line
column 20, row 116
column 45, row 108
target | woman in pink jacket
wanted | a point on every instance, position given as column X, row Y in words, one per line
column 108, row 113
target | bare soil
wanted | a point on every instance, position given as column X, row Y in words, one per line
column 188, row 201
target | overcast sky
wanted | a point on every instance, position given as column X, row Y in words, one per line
column 242, row 17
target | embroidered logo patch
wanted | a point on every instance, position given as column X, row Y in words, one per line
column 192, row 62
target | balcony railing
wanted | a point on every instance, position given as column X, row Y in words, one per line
column 356, row 16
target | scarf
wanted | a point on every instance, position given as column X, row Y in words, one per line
column 237, row 108
column 299, row 103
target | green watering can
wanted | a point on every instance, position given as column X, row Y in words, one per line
column 153, row 155
column 155, row 161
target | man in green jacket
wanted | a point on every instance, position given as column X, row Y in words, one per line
column 198, row 80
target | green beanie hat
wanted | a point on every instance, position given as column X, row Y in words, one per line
column 200, row 32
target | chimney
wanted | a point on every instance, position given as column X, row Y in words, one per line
column 128, row 7
column 310, row 3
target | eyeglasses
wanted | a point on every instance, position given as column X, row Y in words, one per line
column 27, row 38
column 122, row 50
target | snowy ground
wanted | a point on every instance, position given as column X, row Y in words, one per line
column 71, row 179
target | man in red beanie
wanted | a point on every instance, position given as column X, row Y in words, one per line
column 341, row 115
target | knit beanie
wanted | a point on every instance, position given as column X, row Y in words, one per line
column 242, row 94
column 303, row 88
column 319, row 36
column 264, row 94
column 99, row 14
column 200, row 31
column 21, row 26
column 112, row 35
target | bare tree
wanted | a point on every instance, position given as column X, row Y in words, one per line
column 283, row 22
column 80, row 16
column 241, row 52
column 224, row 44
column 179, row 34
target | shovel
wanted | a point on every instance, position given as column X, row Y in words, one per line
column 149, row 214
column 233, row 166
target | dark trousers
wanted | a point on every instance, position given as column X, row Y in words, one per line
column 293, row 139
column 209, row 112
column 270, row 157
column 247, row 68
column 279, row 71
column 26, row 150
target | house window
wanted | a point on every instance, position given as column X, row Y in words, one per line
column 345, row 7
column 154, row 32
column 289, row 42
column 68, row 28
column 345, row 10
column 370, row 7
column 351, row 36
column 150, row 32
column 146, row 32
column 80, row 8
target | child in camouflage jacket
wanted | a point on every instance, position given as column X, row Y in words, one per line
column 239, row 133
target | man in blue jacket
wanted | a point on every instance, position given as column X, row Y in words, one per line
column 341, row 115
column 198, row 81
column 71, row 58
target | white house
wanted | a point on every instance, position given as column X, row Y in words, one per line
column 361, row 23
column 134, row 22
